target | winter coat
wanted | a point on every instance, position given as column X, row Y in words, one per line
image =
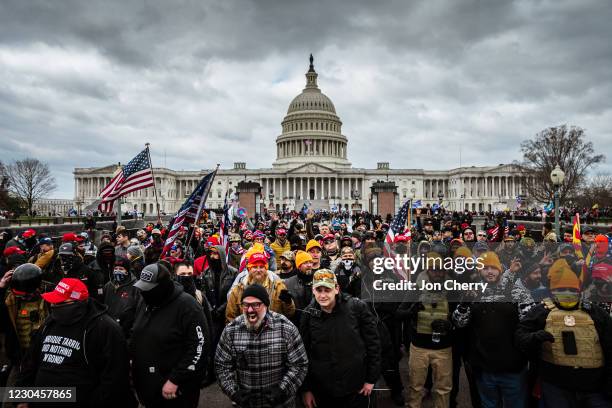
column 97, row 363
column 274, row 288
column 343, row 347
column 216, row 293
column 168, row 343
column 122, row 302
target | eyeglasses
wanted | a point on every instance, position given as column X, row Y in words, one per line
column 481, row 235
column 469, row 233
column 253, row 305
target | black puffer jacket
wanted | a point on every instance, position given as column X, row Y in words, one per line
column 168, row 343
column 343, row 347
column 97, row 364
column 122, row 302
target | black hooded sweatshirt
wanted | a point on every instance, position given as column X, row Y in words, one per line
column 168, row 343
column 90, row 355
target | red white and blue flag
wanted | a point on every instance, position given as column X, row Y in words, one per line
column 398, row 227
column 190, row 211
column 135, row 175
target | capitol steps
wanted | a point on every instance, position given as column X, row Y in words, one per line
column 313, row 204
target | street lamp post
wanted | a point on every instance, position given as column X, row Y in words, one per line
column 557, row 176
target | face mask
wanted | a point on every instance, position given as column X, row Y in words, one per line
column 67, row 263
column 159, row 294
column 188, row 282
column 566, row 300
column 69, row 313
column 348, row 263
column 120, row 275
column 215, row 264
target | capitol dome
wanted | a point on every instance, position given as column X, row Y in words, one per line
column 311, row 99
column 311, row 130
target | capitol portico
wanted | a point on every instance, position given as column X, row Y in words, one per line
column 312, row 166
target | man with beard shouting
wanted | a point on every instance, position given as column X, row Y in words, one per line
column 260, row 360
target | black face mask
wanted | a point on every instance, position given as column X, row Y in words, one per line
column 188, row 282
column 68, row 262
column 69, row 313
column 215, row 264
column 159, row 294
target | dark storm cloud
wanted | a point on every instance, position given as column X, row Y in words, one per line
column 210, row 81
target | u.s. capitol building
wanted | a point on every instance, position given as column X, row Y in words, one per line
column 312, row 167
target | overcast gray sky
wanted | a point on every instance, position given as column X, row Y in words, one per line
column 88, row 83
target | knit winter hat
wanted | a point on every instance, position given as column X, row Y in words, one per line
column 490, row 258
column 257, row 291
column 302, row 257
column 464, row 252
column 312, row 244
column 135, row 251
column 561, row 276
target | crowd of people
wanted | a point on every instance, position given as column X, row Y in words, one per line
column 279, row 311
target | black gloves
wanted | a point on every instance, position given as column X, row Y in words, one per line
column 274, row 396
column 542, row 335
column 441, row 326
column 242, row 398
column 285, row 296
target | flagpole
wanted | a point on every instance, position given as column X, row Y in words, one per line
column 202, row 201
column 118, row 215
column 154, row 183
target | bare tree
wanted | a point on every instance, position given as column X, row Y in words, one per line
column 597, row 190
column 562, row 145
column 30, row 180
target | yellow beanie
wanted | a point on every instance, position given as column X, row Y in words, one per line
column 254, row 249
column 312, row 244
column 561, row 275
column 302, row 257
column 490, row 258
column 463, row 251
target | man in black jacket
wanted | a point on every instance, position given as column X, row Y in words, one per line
column 72, row 266
column 121, row 297
column 79, row 346
column 168, row 344
column 343, row 347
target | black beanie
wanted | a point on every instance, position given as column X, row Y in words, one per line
column 258, row 292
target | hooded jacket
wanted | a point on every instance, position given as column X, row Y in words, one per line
column 168, row 343
column 102, row 270
column 217, row 286
column 122, row 302
column 91, row 356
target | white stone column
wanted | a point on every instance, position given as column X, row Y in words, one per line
column 336, row 187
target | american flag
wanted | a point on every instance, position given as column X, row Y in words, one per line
column 190, row 211
column 398, row 227
column 136, row 175
column 224, row 227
